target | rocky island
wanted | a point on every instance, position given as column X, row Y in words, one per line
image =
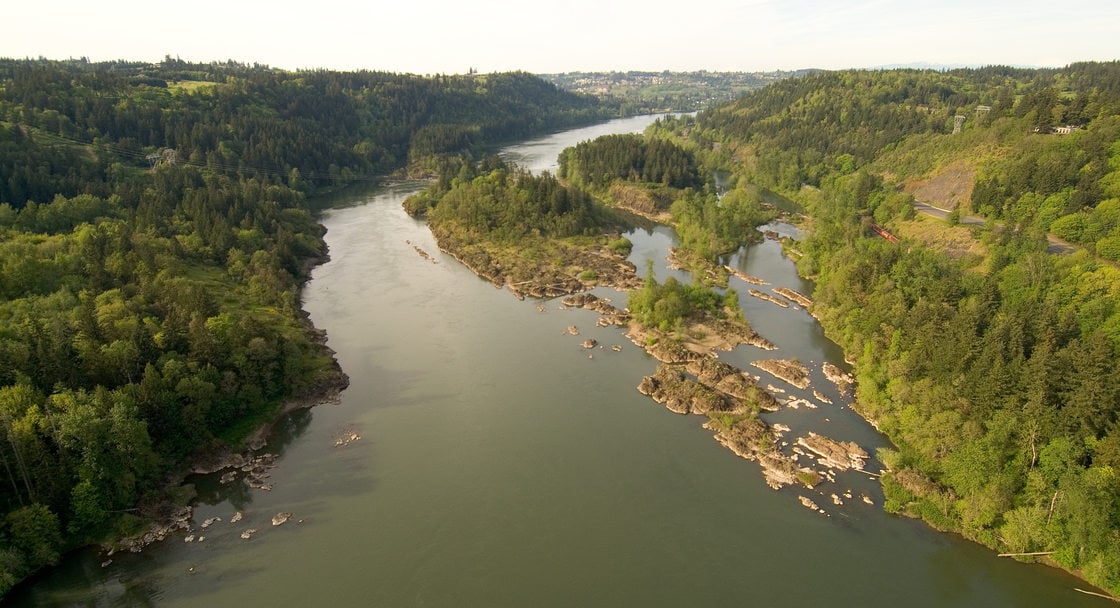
column 543, row 238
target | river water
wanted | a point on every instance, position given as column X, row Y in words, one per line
column 500, row 464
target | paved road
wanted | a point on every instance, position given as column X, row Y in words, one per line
column 1057, row 245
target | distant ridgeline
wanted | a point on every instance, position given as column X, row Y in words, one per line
column 991, row 363
column 154, row 232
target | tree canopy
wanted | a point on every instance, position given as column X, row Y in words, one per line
column 154, row 233
column 995, row 379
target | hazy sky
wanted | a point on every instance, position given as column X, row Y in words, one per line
column 451, row 36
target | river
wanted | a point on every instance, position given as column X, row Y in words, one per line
column 498, row 464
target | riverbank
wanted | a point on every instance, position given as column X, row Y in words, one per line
column 173, row 511
column 690, row 379
column 537, row 267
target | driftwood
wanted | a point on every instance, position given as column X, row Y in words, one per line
column 1107, row 597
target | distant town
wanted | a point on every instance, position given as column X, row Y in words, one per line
column 667, row 91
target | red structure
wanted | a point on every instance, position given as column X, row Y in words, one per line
column 879, row 230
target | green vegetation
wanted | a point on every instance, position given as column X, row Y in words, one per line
column 508, row 204
column 709, row 226
column 652, row 174
column 669, row 305
column 628, row 157
column 154, row 233
column 539, row 235
column 997, row 382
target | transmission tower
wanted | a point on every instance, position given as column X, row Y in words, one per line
column 958, row 121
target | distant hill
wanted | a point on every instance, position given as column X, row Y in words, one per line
column 646, row 92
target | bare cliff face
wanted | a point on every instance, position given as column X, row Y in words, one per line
column 948, row 188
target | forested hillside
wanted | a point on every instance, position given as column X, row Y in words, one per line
column 995, row 375
column 154, row 232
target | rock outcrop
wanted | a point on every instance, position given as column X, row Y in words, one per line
column 753, row 280
column 731, row 381
column 178, row 519
column 753, row 439
column 790, row 370
column 793, row 296
column 834, row 454
column 768, row 298
column 679, row 393
column 840, row 378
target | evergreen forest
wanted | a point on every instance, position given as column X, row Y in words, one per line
column 156, row 223
column 986, row 356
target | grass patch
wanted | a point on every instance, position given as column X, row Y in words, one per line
column 958, row 242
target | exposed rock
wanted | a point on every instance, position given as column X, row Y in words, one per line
column 236, row 517
column 821, row 397
column 247, row 534
column 841, row 455
column 573, row 330
column 745, row 277
column 790, row 370
column 797, row 403
column 347, row 435
column 717, row 334
column 347, row 439
column 748, row 438
column 794, row 297
column 179, row 519
column 664, row 350
column 616, row 348
column 213, row 463
column 711, row 371
column 281, row 518
column 554, row 277
column 841, row 379
column 424, row 254
column 808, row 503
column 591, row 301
column 590, row 343
column 731, row 381
column 682, row 395
column 767, row 297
